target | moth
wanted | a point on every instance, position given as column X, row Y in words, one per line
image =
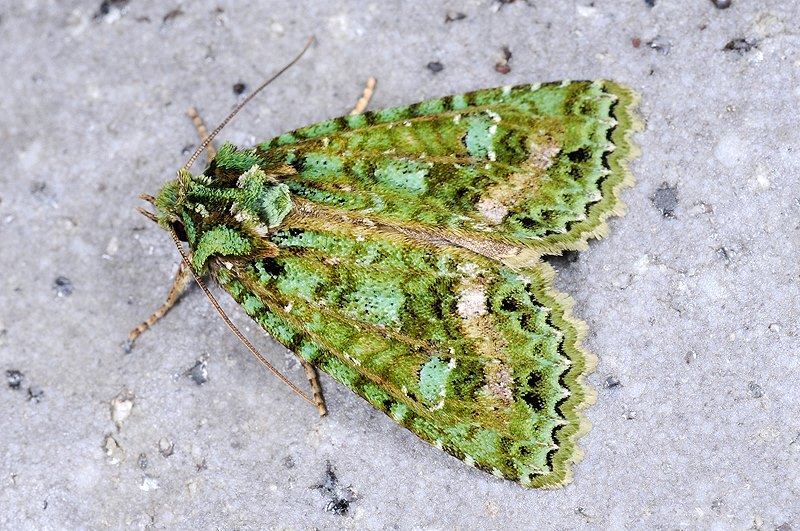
column 399, row 251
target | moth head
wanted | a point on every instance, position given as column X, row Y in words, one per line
column 170, row 202
column 231, row 217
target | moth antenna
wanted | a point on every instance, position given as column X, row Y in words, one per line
column 244, row 102
column 149, row 198
column 230, row 324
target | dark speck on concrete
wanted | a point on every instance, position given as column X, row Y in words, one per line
column 199, row 372
column 740, row 46
column 338, row 498
column 454, row 16
column 14, row 379
column 612, row 382
column 501, row 3
column 755, row 390
column 43, row 193
column 502, row 65
column 435, row 67
column 35, row 393
column 725, row 254
column 106, row 6
column 722, row 4
column 239, row 88
column 665, row 199
column 175, row 13
column 63, row 286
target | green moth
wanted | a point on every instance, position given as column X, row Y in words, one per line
column 399, row 252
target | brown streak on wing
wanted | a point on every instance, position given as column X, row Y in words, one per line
column 512, row 255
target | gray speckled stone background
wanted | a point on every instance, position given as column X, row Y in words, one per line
column 692, row 301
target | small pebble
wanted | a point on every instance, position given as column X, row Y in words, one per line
column 63, row 286
column 166, row 447
column 14, row 379
column 435, row 67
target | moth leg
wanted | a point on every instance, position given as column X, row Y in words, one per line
column 191, row 112
column 182, row 278
column 363, row 101
column 316, row 390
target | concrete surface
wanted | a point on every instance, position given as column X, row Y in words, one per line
column 692, row 301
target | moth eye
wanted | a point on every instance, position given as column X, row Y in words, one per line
column 180, row 232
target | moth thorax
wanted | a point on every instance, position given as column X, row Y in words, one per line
column 261, row 196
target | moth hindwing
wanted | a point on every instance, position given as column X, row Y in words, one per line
column 399, row 252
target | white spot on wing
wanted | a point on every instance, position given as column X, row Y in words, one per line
column 471, row 303
column 494, row 211
column 438, row 406
column 354, row 361
column 469, row 268
column 494, row 116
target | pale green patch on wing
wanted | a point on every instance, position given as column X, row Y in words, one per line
column 433, row 378
column 376, row 302
column 403, row 175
